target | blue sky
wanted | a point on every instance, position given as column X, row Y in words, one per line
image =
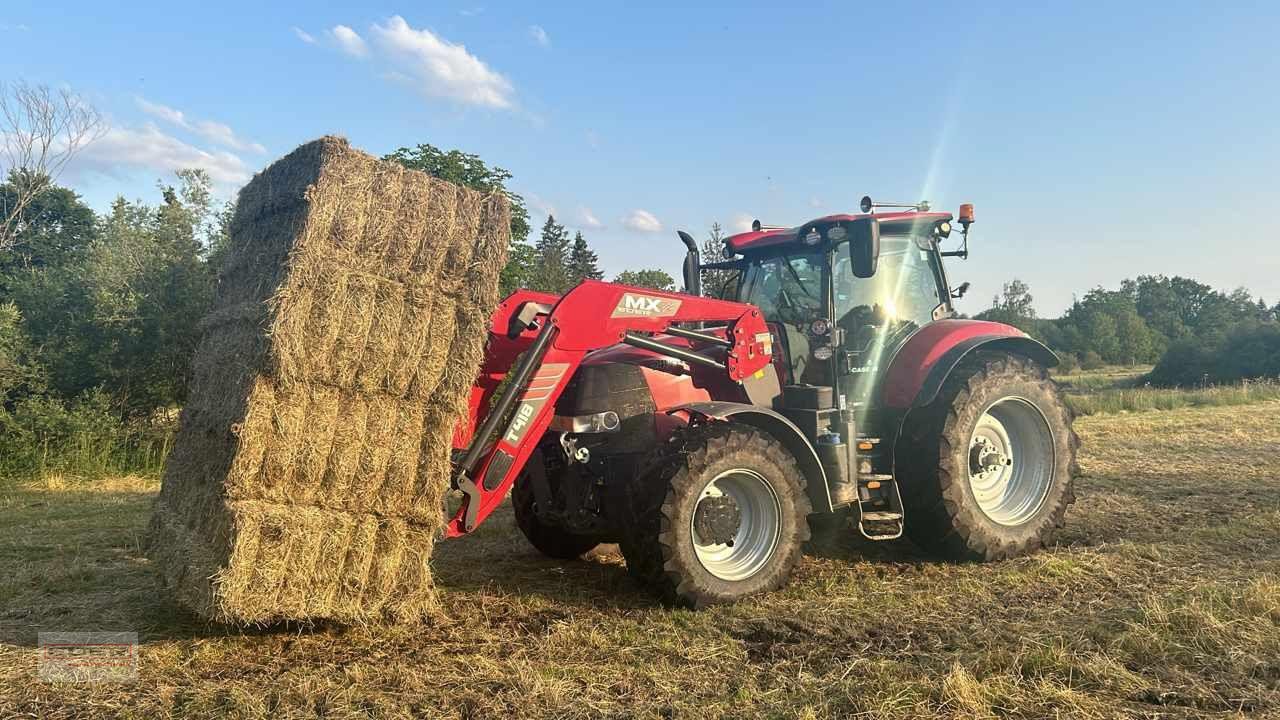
column 1098, row 142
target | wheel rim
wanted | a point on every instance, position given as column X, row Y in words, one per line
column 1011, row 461
column 758, row 529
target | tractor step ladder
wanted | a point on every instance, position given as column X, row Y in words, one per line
column 875, row 521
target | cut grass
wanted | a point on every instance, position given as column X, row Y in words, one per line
column 1161, row 598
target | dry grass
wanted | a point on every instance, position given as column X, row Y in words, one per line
column 308, row 473
column 1161, row 599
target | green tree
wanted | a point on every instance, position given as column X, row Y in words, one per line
column 19, row 373
column 1013, row 306
column 518, row 272
column 125, row 318
column 583, row 262
column 53, row 228
column 1135, row 342
column 716, row 283
column 470, row 171
column 1100, row 331
column 650, row 278
column 551, row 259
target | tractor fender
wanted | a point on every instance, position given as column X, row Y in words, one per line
column 920, row 365
column 1014, row 345
column 783, row 430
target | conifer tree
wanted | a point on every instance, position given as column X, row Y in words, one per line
column 583, row 262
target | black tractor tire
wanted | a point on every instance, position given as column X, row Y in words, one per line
column 934, row 459
column 550, row 540
column 658, row 543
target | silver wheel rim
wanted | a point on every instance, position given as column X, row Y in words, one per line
column 1011, row 461
column 758, row 530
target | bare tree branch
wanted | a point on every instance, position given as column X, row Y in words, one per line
column 41, row 130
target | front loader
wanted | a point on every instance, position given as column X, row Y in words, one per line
column 834, row 386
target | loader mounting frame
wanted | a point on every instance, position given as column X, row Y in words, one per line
column 550, row 336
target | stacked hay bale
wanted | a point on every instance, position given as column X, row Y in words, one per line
column 308, row 473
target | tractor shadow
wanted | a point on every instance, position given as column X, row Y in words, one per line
column 497, row 560
column 835, row 538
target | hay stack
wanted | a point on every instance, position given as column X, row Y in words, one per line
column 313, row 452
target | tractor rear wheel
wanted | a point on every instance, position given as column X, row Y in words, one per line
column 721, row 515
column 985, row 469
column 549, row 539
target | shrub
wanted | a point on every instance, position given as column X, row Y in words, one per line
column 1245, row 351
column 1067, row 363
column 43, row 435
column 1091, row 361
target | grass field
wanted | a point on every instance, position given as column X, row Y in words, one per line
column 1123, row 389
column 1161, row 598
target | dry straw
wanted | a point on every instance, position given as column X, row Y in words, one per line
column 308, row 474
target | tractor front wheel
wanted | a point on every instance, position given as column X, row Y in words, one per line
column 721, row 515
column 547, row 538
column 985, row 469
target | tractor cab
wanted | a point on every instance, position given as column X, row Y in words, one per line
column 842, row 294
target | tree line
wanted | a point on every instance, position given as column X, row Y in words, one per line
column 1192, row 333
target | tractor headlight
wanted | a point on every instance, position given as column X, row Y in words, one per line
column 601, row 422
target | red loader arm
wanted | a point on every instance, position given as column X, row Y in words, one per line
column 554, row 335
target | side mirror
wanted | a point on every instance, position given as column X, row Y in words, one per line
column 959, row 292
column 864, row 246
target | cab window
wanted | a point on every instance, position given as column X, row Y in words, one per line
column 903, row 292
column 788, row 288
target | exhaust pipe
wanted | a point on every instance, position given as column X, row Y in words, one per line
column 692, row 263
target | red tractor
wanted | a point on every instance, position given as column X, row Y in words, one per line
column 704, row 435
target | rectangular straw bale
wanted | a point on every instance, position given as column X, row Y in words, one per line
column 310, row 466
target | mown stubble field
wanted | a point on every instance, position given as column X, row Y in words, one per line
column 1161, row 598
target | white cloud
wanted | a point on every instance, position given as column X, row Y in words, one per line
column 149, row 148
column 304, row 36
column 588, row 219
column 214, row 132
column 18, row 28
column 740, row 222
column 223, row 135
column 164, row 112
column 471, row 12
column 642, row 221
column 539, row 36
column 815, row 202
column 349, row 41
column 593, row 139
column 439, row 68
column 539, row 204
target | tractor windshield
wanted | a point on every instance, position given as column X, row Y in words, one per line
column 902, row 295
column 879, row 313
